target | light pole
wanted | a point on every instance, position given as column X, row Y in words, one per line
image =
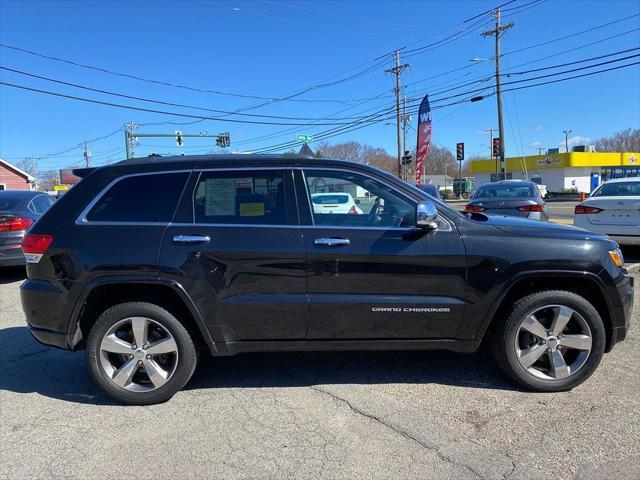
column 566, row 139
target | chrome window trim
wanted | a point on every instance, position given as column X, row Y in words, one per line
column 411, row 200
column 82, row 218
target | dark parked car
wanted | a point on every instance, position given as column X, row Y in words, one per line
column 514, row 198
column 146, row 261
column 432, row 190
column 19, row 209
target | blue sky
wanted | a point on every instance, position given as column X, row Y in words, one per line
column 277, row 48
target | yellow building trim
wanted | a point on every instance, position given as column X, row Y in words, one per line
column 560, row 160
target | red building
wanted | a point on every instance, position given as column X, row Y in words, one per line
column 12, row 178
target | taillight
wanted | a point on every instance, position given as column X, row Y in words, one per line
column 353, row 211
column 15, row 224
column 585, row 209
column 474, row 208
column 531, row 208
column 34, row 246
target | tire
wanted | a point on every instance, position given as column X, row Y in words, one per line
column 514, row 346
column 123, row 374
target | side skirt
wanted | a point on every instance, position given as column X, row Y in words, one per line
column 233, row 348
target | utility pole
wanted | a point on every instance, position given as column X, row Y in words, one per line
column 405, row 120
column 497, row 32
column 566, row 139
column 87, row 155
column 397, row 71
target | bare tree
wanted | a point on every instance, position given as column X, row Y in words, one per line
column 350, row 151
column 627, row 140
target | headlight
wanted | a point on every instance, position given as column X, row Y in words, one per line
column 616, row 257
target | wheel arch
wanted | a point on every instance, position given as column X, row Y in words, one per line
column 105, row 292
column 585, row 284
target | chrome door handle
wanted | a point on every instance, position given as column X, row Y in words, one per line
column 191, row 238
column 332, row 242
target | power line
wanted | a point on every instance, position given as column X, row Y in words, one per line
column 571, row 35
column 149, row 110
column 154, row 81
column 108, row 92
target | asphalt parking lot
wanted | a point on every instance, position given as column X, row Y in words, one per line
column 314, row 415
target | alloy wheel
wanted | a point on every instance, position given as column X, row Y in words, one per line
column 138, row 354
column 553, row 342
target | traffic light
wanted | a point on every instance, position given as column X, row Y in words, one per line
column 460, row 151
column 179, row 139
column 496, row 147
column 223, row 140
column 406, row 158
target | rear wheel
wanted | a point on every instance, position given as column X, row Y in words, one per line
column 551, row 341
column 140, row 354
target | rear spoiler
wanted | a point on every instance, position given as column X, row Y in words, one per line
column 70, row 176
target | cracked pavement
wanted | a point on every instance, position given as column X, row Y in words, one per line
column 320, row 415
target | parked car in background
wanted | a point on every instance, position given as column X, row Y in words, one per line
column 335, row 202
column 19, row 209
column 513, row 198
column 432, row 190
column 612, row 208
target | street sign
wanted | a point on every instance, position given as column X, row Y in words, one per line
column 304, row 138
column 60, row 188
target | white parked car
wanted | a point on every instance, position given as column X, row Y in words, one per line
column 613, row 208
column 335, row 202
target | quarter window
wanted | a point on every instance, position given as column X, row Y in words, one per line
column 140, row 198
column 241, row 197
column 340, row 198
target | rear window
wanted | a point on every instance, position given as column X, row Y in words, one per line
column 329, row 199
column 490, row 191
column 140, row 198
column 618, row 189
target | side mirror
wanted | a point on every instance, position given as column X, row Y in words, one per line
column 426, row 215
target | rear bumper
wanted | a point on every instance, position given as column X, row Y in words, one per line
column 11, row 255
column 43, row 305
column 49, row 337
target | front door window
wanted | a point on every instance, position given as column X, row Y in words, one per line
column 347, row 199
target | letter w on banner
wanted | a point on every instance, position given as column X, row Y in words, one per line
column 424, row 137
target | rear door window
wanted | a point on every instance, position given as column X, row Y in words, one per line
column 145, row 198
column 618, row 189
column 240, row 197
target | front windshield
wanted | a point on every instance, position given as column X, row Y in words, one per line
column 617, row 189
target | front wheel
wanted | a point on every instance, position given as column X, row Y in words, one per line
column 551, row 341
column 140, row 354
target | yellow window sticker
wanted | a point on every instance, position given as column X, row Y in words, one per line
column 252, row 209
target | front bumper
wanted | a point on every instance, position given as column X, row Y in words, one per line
column 622, row 312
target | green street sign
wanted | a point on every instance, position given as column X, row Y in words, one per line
column 304, row 138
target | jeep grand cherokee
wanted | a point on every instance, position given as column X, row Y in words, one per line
column 145, row 262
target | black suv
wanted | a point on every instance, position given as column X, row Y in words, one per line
column 145, row 262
